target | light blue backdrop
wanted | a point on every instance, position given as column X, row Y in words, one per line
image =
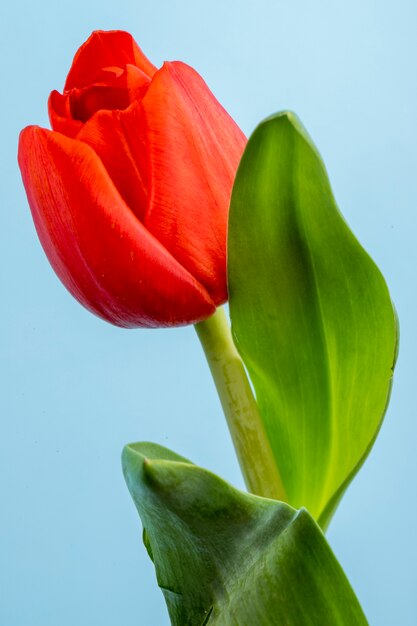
column 76, row 389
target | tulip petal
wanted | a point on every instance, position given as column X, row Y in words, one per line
column 194, row 152
column 59, row 109
column 106, row 49
column 119, row 139
column 115, row 91
column 99, row 249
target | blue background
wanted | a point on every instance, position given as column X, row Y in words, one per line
column 75, row 389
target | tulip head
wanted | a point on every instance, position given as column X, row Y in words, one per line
column 130, row 190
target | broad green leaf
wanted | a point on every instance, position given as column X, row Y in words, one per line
column 227, row 558
column 311, row 316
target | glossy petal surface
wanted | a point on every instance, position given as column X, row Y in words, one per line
column 114, row 48
column 170, row 150
column 98, row 248
column 194, row 150
column 119, row 139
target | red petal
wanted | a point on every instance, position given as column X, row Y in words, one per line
column 131, row 78
column 106, row 49
column 59, row 109
column 98, row 248
column 119, row 139
column 113, row 92
column 195, row 148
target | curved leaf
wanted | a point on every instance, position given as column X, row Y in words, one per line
column 227, row 558
column 311, row 316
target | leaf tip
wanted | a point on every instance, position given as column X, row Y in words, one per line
column 129, row 456
column 285, row 118
column 288, row 121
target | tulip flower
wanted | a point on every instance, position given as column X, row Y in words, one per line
column 130, row 189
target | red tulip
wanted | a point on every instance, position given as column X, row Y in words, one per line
column 130, row 190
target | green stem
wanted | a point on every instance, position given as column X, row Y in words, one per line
column 252, row 447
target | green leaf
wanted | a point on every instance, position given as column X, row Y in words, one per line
column 227, row 558
column 311, row 316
